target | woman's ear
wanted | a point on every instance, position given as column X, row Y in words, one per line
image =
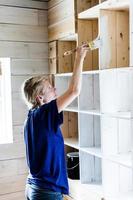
column 39, row 99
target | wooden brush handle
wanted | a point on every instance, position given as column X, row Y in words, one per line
column 67, row 53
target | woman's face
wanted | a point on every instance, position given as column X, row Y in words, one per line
column 49, row 92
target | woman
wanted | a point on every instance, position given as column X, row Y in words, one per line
column 47, row 179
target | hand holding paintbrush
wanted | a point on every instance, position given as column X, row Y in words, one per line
column 90, row 45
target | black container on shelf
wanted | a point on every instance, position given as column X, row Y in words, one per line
column 73, row 165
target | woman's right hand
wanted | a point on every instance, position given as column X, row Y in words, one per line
column 81, row 51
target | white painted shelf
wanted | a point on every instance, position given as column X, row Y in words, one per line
column 94, row 12
column 72, row 142
column 104, row 108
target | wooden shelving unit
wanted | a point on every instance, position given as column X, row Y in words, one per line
column 101, row 118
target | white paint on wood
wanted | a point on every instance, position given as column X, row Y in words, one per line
column 110, row 175
column 90, row 169
column 109, row 132
column 125, row 139
column 86, row 137
column 108, row 91
column 126, row 181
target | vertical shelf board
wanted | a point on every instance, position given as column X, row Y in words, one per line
column 126, row 181
column 132, row 142
column 89, row 130
column 117, row 179
column 131, row 89
column 131, row 32
column 109, row 134
column 90, row 169
column 89, row 98
column 124, row 136
column 124, row 92
column 115, row 91
column 65, row 63
column 110, row 178
column 52, row 52
column 114, row 33
column 87, row 31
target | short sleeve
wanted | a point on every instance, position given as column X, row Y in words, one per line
column 50, row 116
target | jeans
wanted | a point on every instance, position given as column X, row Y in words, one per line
column 33, row 192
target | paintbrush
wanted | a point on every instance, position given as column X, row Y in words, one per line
column 92, row 46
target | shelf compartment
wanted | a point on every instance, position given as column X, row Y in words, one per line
column 58, row 63
column 90, row 169
column 89, row 129
column 116, row 93
column 116, row 136
column 65, row 63
column 70, row 129
column 87, row 31
column 118, row 183
column 62, row 84
column 114, row 34
column 89, row 98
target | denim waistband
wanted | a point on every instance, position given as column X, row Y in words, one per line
column 36, row 187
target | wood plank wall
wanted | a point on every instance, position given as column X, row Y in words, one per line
column 23, row 38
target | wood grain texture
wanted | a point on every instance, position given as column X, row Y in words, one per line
column 25, row 3
column 23, row 33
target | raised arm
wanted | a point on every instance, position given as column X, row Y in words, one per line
column 75, row 83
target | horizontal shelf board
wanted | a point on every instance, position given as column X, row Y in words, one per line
column 72, row 142
column 96, row 151
column 69, row 37
column 71, row 109
column 126, row 69
column 90, row 112
column 91, row 13
column 90, row 191
column 91, row 72
column 63, row 74
column 94, row 12
column 121, row 115
column 122, row 159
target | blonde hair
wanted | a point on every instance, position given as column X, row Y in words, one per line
column 33, row 87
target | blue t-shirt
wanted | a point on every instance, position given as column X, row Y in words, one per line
column 45, row 148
